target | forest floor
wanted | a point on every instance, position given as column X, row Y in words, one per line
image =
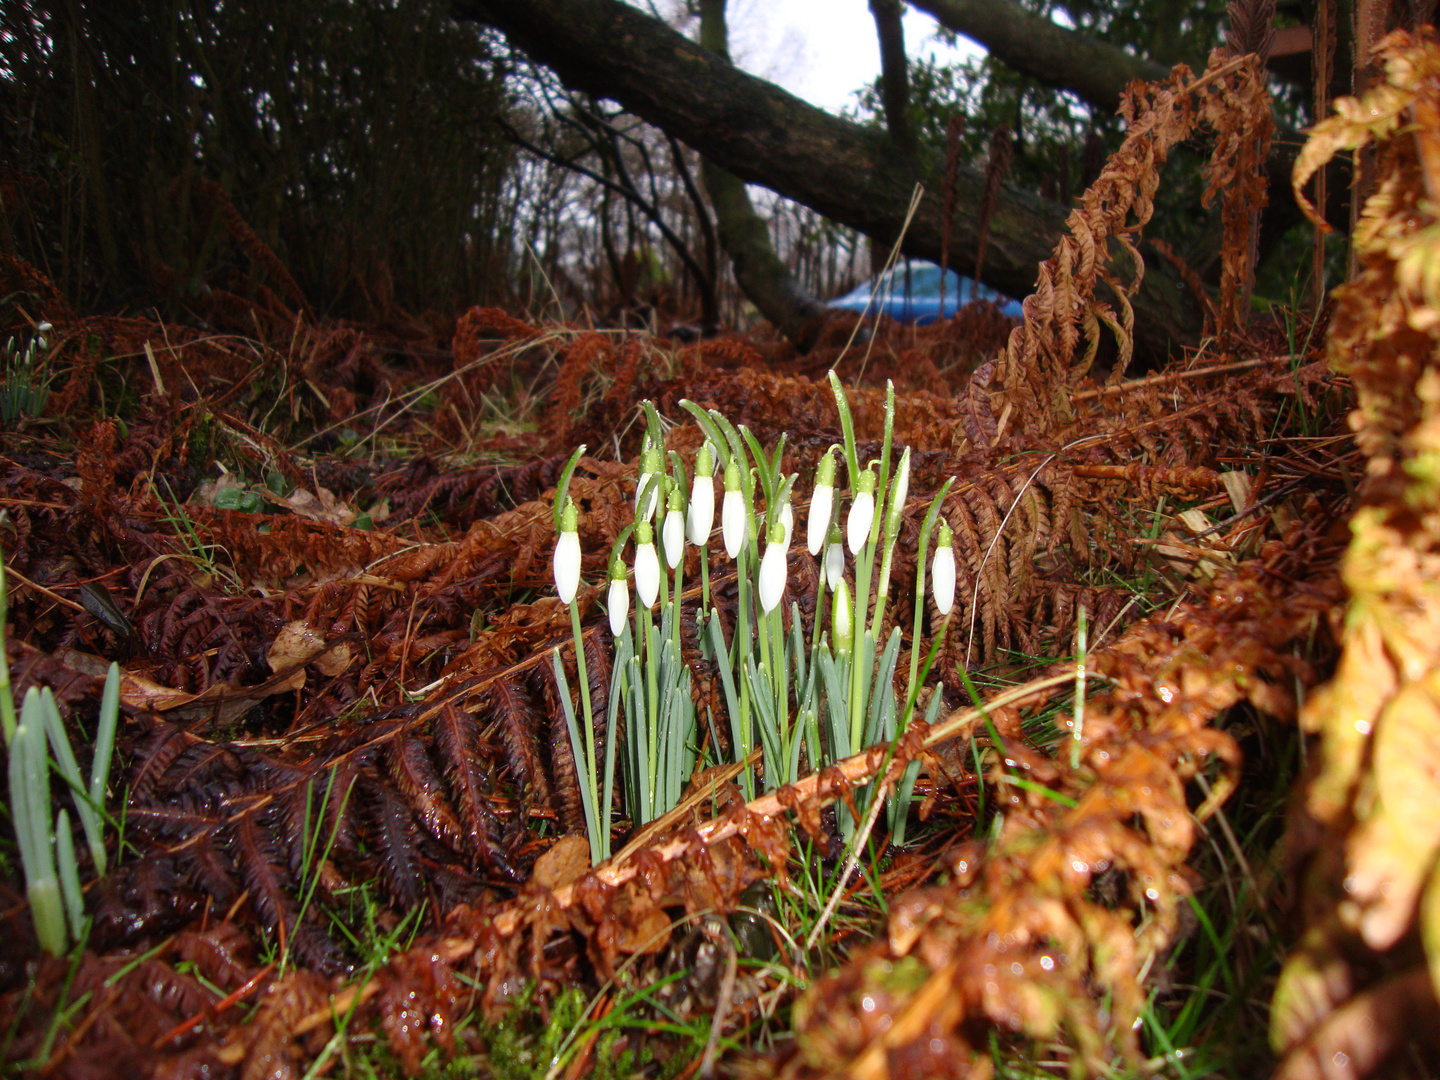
column 342, row 779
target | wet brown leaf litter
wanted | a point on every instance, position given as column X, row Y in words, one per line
column 350, row 818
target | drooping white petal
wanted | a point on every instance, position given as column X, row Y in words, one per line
column 821, row 504
column 772, row 576
column 567, row 565
column 857, row 525
column 834, row 566
column 672, row 535
column 787, row 519
column 647, row 574
column 618, row 604
column 702, row 509
column 732, row 522
column 942, row 578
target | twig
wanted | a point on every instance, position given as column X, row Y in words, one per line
column 877, row 800
column 1193, row 373
column 10, row 570
column 722, row 1008
column 214, row 1010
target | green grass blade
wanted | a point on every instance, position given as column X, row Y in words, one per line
column 70, row 772
column 578, row 750
column 70, row 892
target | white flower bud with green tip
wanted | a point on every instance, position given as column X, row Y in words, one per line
column 617, row 603
column 772, row 569
column 942, row 571
column 899, row 491
column 842, row 618
column 647, row 565
column 672, row 533
column 732, row 513
column 862, row 513
column 834, row 560
column 567, row 553
column 702, row 498
column 652, row 479
column 822, row 504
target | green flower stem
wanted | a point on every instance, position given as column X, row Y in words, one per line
column 781, row 683
column 742, row 655
column 819, row 606
column 584, row 677
column 704, row 577
column 912, row 686
column 679, row 597
column 652, row 702
column 859, row 678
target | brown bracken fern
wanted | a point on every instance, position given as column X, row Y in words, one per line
column 1358, row 988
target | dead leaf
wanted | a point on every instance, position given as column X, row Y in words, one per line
column 563, row 864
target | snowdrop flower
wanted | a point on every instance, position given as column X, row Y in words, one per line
column 787, row 522
column 898, row 491
column 41, row 342
column 834, row 561
column 702, row 498
column 862, row 513
column 772, row 569
column 647, row 565
column 567, row 553
column 650, row 470
column 617, row 603
column 672, row 533
column 942, row 571
column 732, row 513
column 842, row 619
column 822, row 504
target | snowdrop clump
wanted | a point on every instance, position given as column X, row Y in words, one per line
column 806, row 703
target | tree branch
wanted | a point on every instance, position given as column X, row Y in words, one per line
column 1093, row 70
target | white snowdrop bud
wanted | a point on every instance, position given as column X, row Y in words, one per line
column 898, row 492
column 672, row 534
column 942, row 571
column 702, row 499
column 651, row 481
column 647, row 565
column 617, row 603
column 862, row 513
column 822, row 503
column 787, row 522
column 567, row 553
column 732, row 513
column 842, row 618
column 772, row 569
column 834, row 561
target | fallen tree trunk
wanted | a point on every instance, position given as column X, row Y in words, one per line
column 763, row 135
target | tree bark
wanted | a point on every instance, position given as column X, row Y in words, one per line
column 761, row 274
column 845, row 171
column 1094, row 70
column 894, row 74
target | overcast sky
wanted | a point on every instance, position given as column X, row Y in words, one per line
column 821, row 50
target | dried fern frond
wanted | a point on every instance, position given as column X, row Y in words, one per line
column 1039, row 362
column 1372, row 797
